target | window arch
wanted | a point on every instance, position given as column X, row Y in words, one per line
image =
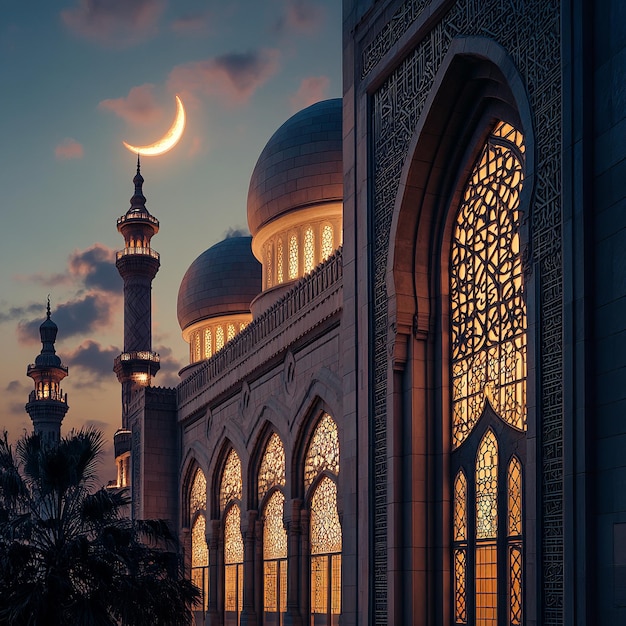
column 199, row 549
column 230, row 501
column 321, row 469
column 488, row 386
column 271, row 480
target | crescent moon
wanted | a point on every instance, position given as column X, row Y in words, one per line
column 169, row 140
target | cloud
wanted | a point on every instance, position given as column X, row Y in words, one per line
column 93, row 361
column 235, row 232
column 69, row 149
column 16, row 386
column 95, row 266
column 82, row 315
column 116, row 23
column 139, row 107
column 311, row 90
column 231, row 77
column 19, row 312
column 301, row 17
column 192, row 24
column 170, row 366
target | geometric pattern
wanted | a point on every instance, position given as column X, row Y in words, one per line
column 530, row 33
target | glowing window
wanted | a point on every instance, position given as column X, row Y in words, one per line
column 514, row 480
column 197, row 354
column 197, row 499
column 200, row 559
column 487, row 308
column 323, row 452
column 459, row 537
column 230, row 332
column 272, row 469
column 279, row 261
column 269, row 265
column 219, row 338
column 274, row 559
column 233, row 566
column 293, row 256
column 327, row 241
column 460, row 507
column 242, row 326
column 326, row 542
column 309, row 250
column 231, row 488
column 487, row 487
column 487, row 529
column 208, row 346
column 515, row 585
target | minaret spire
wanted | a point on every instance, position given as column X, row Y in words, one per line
column 137, row 264
column 47, row 404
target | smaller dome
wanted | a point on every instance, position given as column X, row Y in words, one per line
column 301, row 165
column 223, row 280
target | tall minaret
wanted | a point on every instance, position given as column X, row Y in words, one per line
column 47, row 405
column 137, row 264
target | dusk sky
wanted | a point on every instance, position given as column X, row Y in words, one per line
column 80, row 76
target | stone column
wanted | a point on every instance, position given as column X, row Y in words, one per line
column 248, row 614
column 214, row 616
column 293, row 617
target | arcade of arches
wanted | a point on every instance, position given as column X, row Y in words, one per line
column 319, row 542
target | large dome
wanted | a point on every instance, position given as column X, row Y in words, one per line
column 223, row 280
column 301, row 165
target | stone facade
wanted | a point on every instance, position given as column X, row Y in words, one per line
column 366, row 337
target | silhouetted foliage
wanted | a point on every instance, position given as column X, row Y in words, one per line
column 68, row 553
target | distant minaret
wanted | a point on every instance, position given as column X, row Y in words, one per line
column 137, row 264
column 47, row 405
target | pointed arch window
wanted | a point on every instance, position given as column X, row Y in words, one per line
column 488, row 386
column 271, row 480
column 321, row 469
column 230, row 500
column 199, row 549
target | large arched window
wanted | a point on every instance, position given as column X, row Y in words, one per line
column 271, row 480
column 199, row 549
column 488, row 387
column 230, row 503
column 321, row 469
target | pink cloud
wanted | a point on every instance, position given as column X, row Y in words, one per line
column 232, row 77
column 139, row 107
column 196, row 24
column 311, row 90
column 114, row 22
column 301, row 16
column 69, row 149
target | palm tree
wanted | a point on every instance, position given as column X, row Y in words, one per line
column 69, row 555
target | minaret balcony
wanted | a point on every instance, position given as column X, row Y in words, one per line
column 137, row 251
column 47, row 394
column 135, row 215
column 138, row 355
column 33, row 368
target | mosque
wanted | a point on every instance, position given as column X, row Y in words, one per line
column 405, row 398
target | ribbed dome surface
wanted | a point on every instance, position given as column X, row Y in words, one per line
column 223, row 280
column 300, row 165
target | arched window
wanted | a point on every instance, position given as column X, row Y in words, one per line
column 230, row 500
column 328, row 245
column 208, row 343
column 199, row 549
column 309, row 249
column 321, row 468
column 488, row 386
column 293, row 256
column 271, row 479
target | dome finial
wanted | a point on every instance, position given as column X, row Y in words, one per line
column 138, row 201
column 48, row 308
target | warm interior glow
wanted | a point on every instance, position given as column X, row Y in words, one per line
column 323, row 451
column 233, row 565
column 487, row 307
column 231, row 485
column 169, row 140
column 206, row 337
column 274, row 559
